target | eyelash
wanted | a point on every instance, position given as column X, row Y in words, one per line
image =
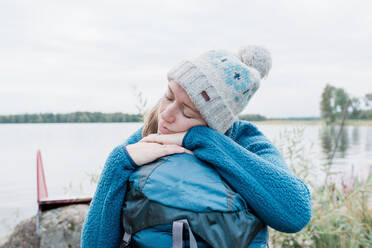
column 170, row 99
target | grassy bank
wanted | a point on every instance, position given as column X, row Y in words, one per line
column 341, row 212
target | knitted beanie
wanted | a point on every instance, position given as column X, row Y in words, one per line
column 220, row 83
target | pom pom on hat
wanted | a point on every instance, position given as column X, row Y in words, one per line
column 256, row 57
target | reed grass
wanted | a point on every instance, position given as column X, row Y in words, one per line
column 341, row 212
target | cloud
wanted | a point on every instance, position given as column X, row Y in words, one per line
column 69, row 56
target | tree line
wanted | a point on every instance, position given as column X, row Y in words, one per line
column 71, row 117
column 336, row 102
column 91, row 117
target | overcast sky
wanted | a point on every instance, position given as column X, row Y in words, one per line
column 66, row 56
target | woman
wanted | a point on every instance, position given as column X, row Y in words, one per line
column 198, row 115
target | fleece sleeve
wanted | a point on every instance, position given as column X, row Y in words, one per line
column 102, row 226
column 257, row 171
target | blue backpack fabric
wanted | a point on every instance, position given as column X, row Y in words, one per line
column 182, row 187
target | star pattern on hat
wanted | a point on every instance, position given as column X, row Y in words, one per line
column 235, row 75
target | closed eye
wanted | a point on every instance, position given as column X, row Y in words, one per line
column 171, row 99
column 168, row 98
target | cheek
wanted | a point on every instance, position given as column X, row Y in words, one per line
column 189, row 123
column 162, row 106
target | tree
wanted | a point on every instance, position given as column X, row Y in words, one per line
column 333, row 103
column 341, row 99
column 355, row 108
column 326, row 105
column 368, row 99
column 252, row 117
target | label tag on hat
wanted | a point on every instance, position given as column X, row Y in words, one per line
column 205, row 96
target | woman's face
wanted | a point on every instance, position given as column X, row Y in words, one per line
column 176, row 112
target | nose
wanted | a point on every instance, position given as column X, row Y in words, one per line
column 169, row 113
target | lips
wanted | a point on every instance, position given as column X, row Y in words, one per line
column 164, row 130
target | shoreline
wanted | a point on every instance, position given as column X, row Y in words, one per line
column 312, row 122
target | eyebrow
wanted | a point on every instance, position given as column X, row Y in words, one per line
column 196, row 111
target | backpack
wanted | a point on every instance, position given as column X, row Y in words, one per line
column 179, row 193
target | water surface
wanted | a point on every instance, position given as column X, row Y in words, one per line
column 72, row 152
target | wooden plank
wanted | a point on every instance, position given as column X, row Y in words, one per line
column 45, row 205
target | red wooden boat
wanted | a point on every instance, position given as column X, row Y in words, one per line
column 43, row 202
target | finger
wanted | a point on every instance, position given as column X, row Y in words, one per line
column 152, row 141
column 188, row 151
column 152, row 138
column 171, row 149
column 147, row 138
column 163, row 139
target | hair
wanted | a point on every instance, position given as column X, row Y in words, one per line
column 151, row 121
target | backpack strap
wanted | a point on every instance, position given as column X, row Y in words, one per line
column 177, row 234
column 126, row 240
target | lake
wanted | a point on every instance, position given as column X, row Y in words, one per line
column 73, row 152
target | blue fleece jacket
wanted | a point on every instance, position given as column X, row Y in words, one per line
column 244, row 157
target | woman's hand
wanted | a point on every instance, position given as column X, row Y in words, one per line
column 151, row 148
column 174, row 138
